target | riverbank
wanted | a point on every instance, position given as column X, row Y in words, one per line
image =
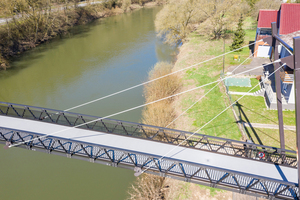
column 196, row 49
column 93, row 61
column 33, row 28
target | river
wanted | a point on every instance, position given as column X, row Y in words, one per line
column 92, row 61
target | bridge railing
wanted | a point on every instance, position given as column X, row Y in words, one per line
column 201, row 174
column 171, row 136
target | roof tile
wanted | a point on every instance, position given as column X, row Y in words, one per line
column 289, row 18
column 265, row 17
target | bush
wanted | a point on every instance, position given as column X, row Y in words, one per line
column 126, row 4
column 38, row 25
column 160, row 113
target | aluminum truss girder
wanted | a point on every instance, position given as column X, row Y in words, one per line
column 198, row 141
column 178, row 169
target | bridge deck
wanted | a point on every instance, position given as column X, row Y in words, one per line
column 262, row 169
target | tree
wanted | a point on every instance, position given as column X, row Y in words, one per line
column 239, row 36
column 180, row 17
column 221, row 15
column 265, row 4
column 251, row 3
column 174, row 22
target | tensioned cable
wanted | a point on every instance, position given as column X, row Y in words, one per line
column 193, row 104
column 134, row 107
column 139, row 173
column 130, row 88
column 208, row 91
column 247, row 58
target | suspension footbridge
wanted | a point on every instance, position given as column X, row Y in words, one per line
column 217, row 162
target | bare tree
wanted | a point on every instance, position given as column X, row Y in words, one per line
column 265, row 4
column 174, row 21
column 177, row 19
column 221, row 15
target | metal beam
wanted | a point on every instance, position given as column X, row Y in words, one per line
column 236, row 181
column 297, row 96
column 148, row 132
column 275, row 44
column 289, row 61
column 282, row 42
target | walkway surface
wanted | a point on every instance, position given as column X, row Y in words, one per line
column 225, row 162
column 254, row 63
column 241, row 93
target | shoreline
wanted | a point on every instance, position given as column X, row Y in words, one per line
column 166, row 187
column 79, row 16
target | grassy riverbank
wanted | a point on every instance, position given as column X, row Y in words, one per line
column 196, row 49
column 148, row 187
column 28, row 28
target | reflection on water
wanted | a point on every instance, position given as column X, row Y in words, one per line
column 95, row 60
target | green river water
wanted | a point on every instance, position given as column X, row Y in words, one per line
column 94, row 60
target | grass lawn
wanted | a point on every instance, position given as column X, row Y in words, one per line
column 250, row 23
column 256, row 111
column 270, row 137
column 196, row 50
column 244, row 54
column 210, row 106
column 254, row 82
column 200, row 49
column 216, row 48
column 253, row 107
column 253, row 110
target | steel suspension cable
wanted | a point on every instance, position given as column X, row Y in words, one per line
column 147, row 82
column 138, row 172
column 130, row 109
column 141, row 84
column 208, row 92
column 247, row 58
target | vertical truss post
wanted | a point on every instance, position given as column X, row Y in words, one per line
column 297, row 97
column 278, row 85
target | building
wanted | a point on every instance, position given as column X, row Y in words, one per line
column 288, row 21
column 265, row 18
column 286, row 76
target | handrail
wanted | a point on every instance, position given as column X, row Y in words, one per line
column 149, row 132
column 212, row 176
column 283, row 43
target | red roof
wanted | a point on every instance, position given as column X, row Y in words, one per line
column 289, row 18
column 265, row 17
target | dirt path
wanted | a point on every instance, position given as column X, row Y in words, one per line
column 269, row 126
column 254, row 63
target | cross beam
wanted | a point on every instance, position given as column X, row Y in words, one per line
column 198, row 141
column 239, row 182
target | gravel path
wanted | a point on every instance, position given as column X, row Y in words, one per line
column 254, row 63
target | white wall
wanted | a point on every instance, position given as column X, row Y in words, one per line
column 264, row 51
